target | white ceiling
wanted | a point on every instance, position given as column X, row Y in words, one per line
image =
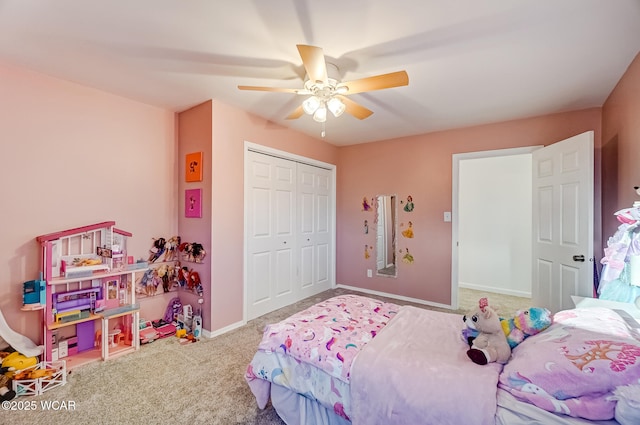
column 469, row 61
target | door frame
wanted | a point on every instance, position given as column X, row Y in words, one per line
column 254, row 147
column 455, row 188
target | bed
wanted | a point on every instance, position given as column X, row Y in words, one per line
column 356, row 360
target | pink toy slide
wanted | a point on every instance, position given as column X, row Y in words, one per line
column 20, row 343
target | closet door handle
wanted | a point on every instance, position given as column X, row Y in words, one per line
column 578, row 258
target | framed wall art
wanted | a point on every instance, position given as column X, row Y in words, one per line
column 193, row 203
column 193, row 167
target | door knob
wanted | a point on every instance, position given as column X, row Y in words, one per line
column 578, row 258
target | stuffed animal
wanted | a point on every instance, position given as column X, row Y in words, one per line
column 34, row 374
column 491, row 343
column 16, row 361
column 12, row 361
column 522, row 325
column 6, row 394
column 525, row 323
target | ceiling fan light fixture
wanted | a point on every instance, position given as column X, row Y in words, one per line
column 342, row 90
column 323, row 83
column 311, row 105
column 336, row 106
column 321, row 114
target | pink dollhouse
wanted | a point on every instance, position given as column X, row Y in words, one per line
column 90, row 311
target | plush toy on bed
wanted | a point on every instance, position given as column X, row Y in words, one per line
column 522, row 325
column 526, row 323
column 490, row 345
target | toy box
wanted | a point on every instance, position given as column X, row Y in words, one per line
column 147, row 332
column 41, row 385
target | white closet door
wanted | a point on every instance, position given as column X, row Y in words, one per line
column 314, row 230
column 271, row 250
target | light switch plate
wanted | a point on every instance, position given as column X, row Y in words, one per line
column 447, row 216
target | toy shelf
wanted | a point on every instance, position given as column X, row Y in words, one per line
column 149, row 283
column 32, row 307
column 58, row 325
column 89, row 298
column 95, row 275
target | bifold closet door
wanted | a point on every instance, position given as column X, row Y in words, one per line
column 315, row 258
column 271, row 241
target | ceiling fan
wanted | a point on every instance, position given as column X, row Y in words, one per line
column 327, row 92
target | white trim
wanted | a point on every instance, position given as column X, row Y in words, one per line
column 455, row 182
column 250, row 146
column 505, row 291
column 254, row 147
column 229, row 328
column 396, row 297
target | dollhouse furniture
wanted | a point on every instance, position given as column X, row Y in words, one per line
column 90, row 311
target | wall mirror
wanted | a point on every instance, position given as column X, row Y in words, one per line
column 386, row 213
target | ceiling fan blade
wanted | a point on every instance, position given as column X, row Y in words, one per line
column 377, row 82
column 297, row 113
column 276, row 89
column 354, row 108
column 314, row 63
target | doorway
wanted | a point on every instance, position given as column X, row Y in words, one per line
column 562, row 195
column 491, row 222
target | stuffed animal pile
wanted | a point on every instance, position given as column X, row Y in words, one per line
column 515, row 329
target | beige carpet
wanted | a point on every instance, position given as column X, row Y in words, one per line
column 169, row 383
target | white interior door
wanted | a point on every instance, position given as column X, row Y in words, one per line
column 314, row 229
column 563, row 222
column 271, row 242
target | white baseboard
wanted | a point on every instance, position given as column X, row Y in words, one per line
column 208, row 334
column 394, row 296
column 504, row 291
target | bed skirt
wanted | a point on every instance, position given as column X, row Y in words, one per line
column 296, row 409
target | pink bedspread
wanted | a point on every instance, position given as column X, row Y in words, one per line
column 416, row 371
column 330, row 334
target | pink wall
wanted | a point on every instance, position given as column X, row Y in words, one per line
column 621, row 147
column 230, row 128
column 421, row 166
column 194, row 135
column 75, row 156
